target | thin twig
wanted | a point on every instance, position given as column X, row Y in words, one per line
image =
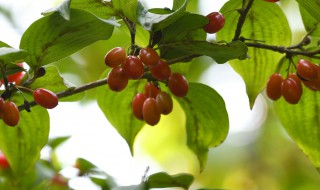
column 243, row 14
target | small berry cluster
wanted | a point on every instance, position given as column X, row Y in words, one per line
column 147, row 106
column 290, row 88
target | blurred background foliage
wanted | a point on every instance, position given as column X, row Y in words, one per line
column 263, row 158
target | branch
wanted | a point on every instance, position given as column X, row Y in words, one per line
column 243, row 14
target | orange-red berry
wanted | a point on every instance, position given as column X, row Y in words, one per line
column 151, row 114
column 117, row 80
column 160, row 71
column 149, row 56
column 115, row 57
column 10, row 115
column 273, row 88
column 178, row 85
column 137, row 105
column 164, row 103
column 45, row 98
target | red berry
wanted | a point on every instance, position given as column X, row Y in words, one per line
column 149, row 56
column 164, row 103
column 4, row 164
column 150, row 112
column 16, row 77
column 314, row 84
column 151, row 90
column 306, row 70
column 133, row 67
column 117, row 80
column 137, row 105
column 273, row 89
column 115, row 57
column 291, row 90
column 178, row 85
column 10, row 115
column 161, row 71
column 45, row 98
column 216, row 22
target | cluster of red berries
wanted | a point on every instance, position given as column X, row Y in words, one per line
column 290, row 88
column 216, row 22
column 147, row 106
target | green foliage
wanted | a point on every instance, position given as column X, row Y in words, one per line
column 164, row 180
column 11, row 55
column 265, row 22
column 207, row 120
column 302, row 123
column 310, row 22
column 109, row 101
column 56, row 142
column 52, row 38
column 22, row 144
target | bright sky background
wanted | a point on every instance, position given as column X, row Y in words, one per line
column 92, row 136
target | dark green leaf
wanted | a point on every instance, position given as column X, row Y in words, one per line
column 302, row 122
column 22, row 144
column 207, row 119
column 63, row 9
column 126, row 8
column 52, row 38
column 312, row 6
column 267, row 22
column 2, row 44
column 11, row 55
column 105, row 184
column 123, row 121
column 164, row 180
column 310, row 23
column 55, row 142
column 153, row 22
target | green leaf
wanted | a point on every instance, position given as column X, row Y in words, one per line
column 312, row 6
column 22, row 144
column 11, row 55
column 164, row 180
column 153, row 22
column 310, row 23
column 54, row 82
column 11, row 69
column 56, row 142
column 2, row 44
column 141, row 186
column 207, row 119
column 84, row 165
column 302, row 121
column 116, row 106
column 63, row 9
column 126, row 8
column 267, row 22
column 52, row 38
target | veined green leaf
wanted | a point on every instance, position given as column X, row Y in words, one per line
column 22, row 144
column 164, row 180
column 265, row 21
column 207, row 119
column 11, row 55
column 153, row 22
column 54, row 82
column 302, row 121
column 63, row 9
column 122, row 120
column 52, row 38
column 312, row 6
column 96, row 7
column 310, row 23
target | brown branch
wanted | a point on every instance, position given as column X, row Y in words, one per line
column 243, row 14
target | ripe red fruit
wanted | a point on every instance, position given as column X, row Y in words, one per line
column 164, row 103
column 160, row 71
column 150, row 112
column 149, row 56
column 45, row 98
column 216, row 22
column 306, row 70
column 137, row 105
column 4, row 164
column 115, row 57
column 291, row 90
column 133, row 67
column 10, row 115
column 16, row 77
column 151, row 90
column 273, row 88
column 178, row 85
column 314, row 84
column 117, row 80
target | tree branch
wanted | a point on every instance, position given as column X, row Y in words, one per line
column 243, row 14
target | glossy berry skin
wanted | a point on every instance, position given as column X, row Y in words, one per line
column 137, row 105
column 273, row 88
column 178, row 85
column 151, row 90
column 133, row 67
column 291, row 90
column 149, row 56
column 216, row 22
column 45, row 98
column 164, row 103
column 115, row 57
column 10, row 115
column 4, row 164
column 161, row 71
column 314, row 84
column 306, row 70
column 117, row 80
column 151, row 114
